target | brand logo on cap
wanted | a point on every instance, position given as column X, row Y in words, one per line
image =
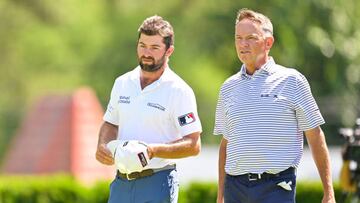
column 142, row 159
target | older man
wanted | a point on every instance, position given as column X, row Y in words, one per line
column 262, row 113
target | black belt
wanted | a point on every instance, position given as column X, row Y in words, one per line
column 259, row 176
column 144, row 173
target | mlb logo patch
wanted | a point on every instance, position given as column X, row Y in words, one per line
column 186, row 119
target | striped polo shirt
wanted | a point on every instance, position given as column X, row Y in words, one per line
column 263, row 116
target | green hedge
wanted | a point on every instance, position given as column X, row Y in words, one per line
column 64, row 189
column 34, row 189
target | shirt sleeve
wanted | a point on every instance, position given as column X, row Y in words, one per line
column 307, row 111
column 112, row 114
column 185, row 113
column 219, row 126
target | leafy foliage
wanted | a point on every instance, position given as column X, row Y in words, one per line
column 63, row 189
column 57, row 47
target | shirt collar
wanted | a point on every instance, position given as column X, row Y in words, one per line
column 268, row 67
column 165, row 76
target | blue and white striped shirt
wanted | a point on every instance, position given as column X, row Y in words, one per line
column 263, row 116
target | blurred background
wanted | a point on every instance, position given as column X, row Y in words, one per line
column 58, row 46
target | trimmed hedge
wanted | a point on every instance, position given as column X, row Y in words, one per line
column 65, row 189
column 41, row 189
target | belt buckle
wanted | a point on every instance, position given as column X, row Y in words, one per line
column 128, row 176
column 256, row 177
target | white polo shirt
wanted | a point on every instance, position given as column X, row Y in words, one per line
column 162, row 112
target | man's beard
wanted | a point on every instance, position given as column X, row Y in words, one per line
column 151, row 67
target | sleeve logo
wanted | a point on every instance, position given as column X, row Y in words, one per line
column 186, row 119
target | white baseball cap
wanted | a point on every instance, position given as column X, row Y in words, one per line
column 129, row 156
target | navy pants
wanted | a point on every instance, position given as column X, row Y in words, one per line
column 239, row 189
column 162, row 187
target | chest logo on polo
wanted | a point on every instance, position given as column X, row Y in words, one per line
column 158, row 106
column 186, row 119
column 124, row 99
column 269, row 95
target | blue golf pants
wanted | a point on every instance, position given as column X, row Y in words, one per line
column 239, row 189
column 161, row 187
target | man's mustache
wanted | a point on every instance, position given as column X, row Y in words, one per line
column 151, row 58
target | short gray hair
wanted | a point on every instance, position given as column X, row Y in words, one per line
column 259, row 18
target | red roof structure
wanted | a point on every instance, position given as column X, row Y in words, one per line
column 59, row 135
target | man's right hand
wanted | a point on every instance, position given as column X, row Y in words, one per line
column 103, row 155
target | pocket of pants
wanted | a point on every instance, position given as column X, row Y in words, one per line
column 286, row 182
